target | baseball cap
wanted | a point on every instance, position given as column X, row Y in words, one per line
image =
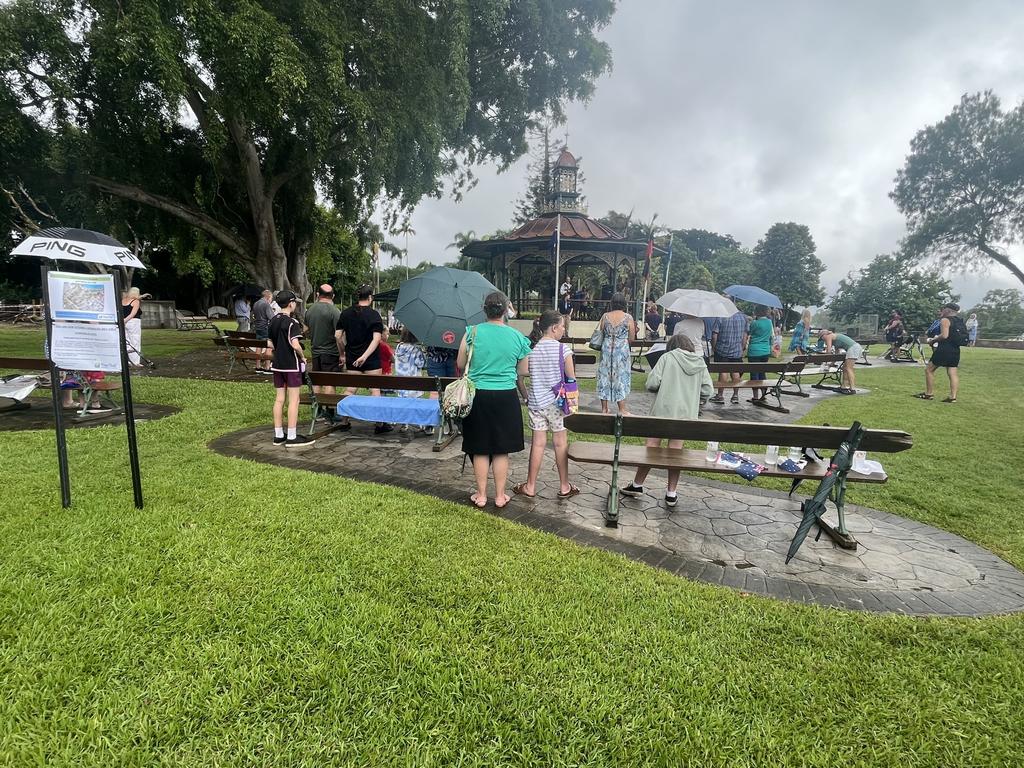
column 284, row 298
column 365, row 291
column 951, row 305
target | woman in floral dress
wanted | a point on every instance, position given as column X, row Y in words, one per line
column 613, row 370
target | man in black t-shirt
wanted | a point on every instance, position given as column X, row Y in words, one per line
column 361, row 330
column 288, row 362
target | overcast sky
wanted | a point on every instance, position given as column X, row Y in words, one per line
column 731, row 116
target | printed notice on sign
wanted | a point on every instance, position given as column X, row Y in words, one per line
column 82, row 297
column 86, row 347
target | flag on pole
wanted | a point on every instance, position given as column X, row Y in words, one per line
column 647, row 258
column 668, row 260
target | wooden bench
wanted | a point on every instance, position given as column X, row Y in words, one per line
column 191, row 322
column 826, row 367
column 239, row 334
column 738, row 432
column 242, row 350
column 328, row 402
column 20, row 364
column 773, row 387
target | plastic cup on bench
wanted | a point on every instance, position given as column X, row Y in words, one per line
column 712, row 452
column 771, row 455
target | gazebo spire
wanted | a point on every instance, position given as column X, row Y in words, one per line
column 565, row 194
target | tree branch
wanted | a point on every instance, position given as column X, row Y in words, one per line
column 1001, row 259
column 189, row 215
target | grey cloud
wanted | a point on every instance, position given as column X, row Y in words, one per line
column 734, row 115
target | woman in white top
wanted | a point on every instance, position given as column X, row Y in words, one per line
column 544, row 366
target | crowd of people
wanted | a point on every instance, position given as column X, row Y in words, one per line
column 509, row 369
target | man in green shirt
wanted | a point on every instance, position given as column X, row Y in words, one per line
column 321, row 320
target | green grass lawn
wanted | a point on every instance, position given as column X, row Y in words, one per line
column 27, row 341
column 256, row 615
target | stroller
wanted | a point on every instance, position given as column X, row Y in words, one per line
column 904, row 353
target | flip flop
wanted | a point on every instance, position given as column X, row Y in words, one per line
column 573, row 490
column 924, row 396
column 519, row 489
column 477, row 504
column 502, row 506
column 949, row 400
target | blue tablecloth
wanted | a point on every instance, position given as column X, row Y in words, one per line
column 419, row 411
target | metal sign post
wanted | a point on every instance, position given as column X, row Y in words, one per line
column 58, row 408
column 129, row 409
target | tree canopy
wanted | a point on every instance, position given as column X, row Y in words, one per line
column 1001, row 313
column 962, row 188
column 891, row 283
column 235, row 118
column 786, row 264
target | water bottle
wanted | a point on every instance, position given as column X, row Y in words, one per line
column 771, row 455
column 712, row 451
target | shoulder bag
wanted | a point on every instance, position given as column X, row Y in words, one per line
column 567, row 391
column 597, row 337
column 457, row 401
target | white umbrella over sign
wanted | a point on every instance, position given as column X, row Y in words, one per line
column 690, row 301
column 83, row 245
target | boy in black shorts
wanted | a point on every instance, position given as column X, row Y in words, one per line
column 288, row 363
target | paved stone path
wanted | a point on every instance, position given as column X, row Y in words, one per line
column 720, row 533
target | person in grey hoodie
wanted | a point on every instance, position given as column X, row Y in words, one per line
column 681, row 379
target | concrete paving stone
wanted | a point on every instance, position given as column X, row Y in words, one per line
column 733, row 577
column 939, row 580
column 694, row 522
column 754, row 583
column 852, row 599
column 717, row 549
column 747, row 543
column 727, row 528
column 683, row 541
column 750, row 517
column 875, row 543
column 693, row 569
column 713, row 573
column 800, row 592
column 952, row 565
column 726, row 504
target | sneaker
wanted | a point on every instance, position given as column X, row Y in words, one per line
column 428, row 430
column 98, row 409
column 299, row 441
column 632, row 490
column 671, row 499
column 717, row 399
column 280, row 440
column 380, row 429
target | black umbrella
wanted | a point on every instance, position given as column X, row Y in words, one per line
column 814, row 507
column 248, row 290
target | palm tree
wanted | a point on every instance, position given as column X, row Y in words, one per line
column 406, row 230
column 461, row 240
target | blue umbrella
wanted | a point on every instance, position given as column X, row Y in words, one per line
column 753, row 294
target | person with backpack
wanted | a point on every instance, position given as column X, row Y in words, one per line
column 946, row 342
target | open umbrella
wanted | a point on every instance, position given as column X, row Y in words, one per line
column 815, row 506
column 438, row 305
column 690, row 301
column 82, row 245
column 754, row 295
column 248, row 290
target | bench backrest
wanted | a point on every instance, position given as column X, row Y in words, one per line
column 237, row 343
column 791, row 367
column 821, row 359
column 25, row 363
column 413, row 383
column 584, row 359
column 240, row 334
column 753, row 433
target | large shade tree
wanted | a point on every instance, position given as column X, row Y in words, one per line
column 786, row 264
column 891, row 283
column 962, row 188
column 236, row 117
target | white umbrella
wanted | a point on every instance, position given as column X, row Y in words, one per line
column 690, row 301
column 84, row 245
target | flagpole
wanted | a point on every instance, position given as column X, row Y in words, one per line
column 668, row 262
column 558, row 254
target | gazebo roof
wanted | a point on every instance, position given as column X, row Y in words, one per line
column 574, row 224
column 566, row 159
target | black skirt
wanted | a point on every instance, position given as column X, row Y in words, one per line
column 946, row 355
column 494, row 425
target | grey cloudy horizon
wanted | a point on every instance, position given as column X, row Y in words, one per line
column 732, row 116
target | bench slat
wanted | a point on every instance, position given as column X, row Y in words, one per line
column 754, row 367
column 690, row 460
column 756, row 433
column 412, row 383
column 25, row 363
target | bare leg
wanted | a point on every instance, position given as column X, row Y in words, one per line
column 622, row 407
column 736, row 380
column 604, row 407
column 929, row 378
column 848, row 370
column 481, row 466
column 540, row 442
column 500, row 468
column 561, row 440
column 293, row 406
column 673, row 474
column 954, row 381
column 279, row 394
column 642, row 472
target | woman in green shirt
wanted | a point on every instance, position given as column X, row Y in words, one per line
column 494, row 427
column 759, row 348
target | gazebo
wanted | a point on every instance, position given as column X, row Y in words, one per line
column 583, row 241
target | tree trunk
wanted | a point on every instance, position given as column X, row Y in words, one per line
column 1002, row 259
